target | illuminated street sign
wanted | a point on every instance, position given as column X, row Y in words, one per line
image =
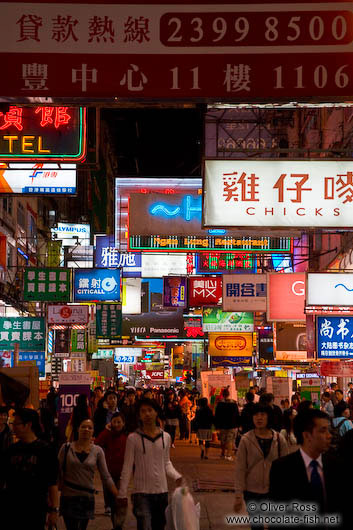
column 43, row 133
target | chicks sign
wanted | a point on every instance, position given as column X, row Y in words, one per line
column 42, row 133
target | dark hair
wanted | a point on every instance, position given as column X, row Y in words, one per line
column 340, row 391
column 146, row 402
column 30, row 416
column 305, row 422
column 266, row 409
column 203, row 402
column 3, row 410
column 249, row 396
column 109, row 392
column 226, row 393
column 130, row 392
column 98, row 388
column 326, row 394
column 340, row 408
column 333, row 384
column 295, row 396
column 118, row 415
column 287, row 421
column 265, row 399
column 304, row 406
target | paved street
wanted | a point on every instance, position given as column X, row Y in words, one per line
column 212, row 474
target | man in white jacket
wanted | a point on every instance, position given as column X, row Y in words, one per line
column 147, row 452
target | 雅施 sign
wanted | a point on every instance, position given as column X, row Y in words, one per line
column 278, row 193
column 43, row 133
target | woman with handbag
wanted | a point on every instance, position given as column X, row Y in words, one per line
column 77, row 464
column 257, row 450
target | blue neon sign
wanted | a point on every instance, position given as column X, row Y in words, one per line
column 92, row 285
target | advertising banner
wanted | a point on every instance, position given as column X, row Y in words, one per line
column 330, row 289
column 166, row 50
column 43, row 133
column 230, row 349
column 107, row 255
column 334, row 337
column 108, row 321
column 37, row 357
column 225, row 262
column 78, row 343
column 280, row 387
column 336, row 369
column 54, row 253
column 214, row 319
column 131, row 297
column 157, row 265
column 173, row 222
column 174, row 291
column 27, row 332
column 41, row 179
column 96, row 285
column 193, row 327
column 68, row 314
column 69, row 390
column 46, row 285
column 277, row 193
column 124, row 359
column 265, row 337
column 62, row 342
column 286, row 297
column 72, row 233
column 247, row 292
column 155, row 375
column 290, row 341
column 6, row 360
column 155, row 320
column 103, row 353
column 204, row 291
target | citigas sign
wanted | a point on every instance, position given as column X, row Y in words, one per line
column 286, row 297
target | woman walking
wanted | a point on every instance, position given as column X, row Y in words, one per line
column 172, row 414
column 77, row 464
column 80, row 412
column 204, row 420
column 257, row 450
column 288, row 431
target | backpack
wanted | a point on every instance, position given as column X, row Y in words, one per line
column 336, row 437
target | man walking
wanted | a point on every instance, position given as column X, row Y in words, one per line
column 30, row 473
column 227, row 420
column 147, row 453
column 129, row 412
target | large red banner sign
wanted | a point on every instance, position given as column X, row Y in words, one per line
column 269, row 50
column 204, row 291
column 285, row 297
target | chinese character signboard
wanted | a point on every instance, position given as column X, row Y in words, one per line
column 278, row 193
column 265, row 345
column 336, row 369
column 108, row 321
column 173, row 223
column 176, row 50
column 204, row 291
column 193, row 328
column 330, row 289
column 78, row 342
column 37, row 357
column 124, row 359
column 218, row 262
column 215, row 319
column 68, row 314
column 107, row 255
column 49, row 285
column 246, row 292
column 230, row 349
column 174, row 291
column 335, row 337
column 43, row 133
column 285, row 297
column 41, row 179
column 96, row 285
column 28, row 332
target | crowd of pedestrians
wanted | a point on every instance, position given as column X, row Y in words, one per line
column 130, row 433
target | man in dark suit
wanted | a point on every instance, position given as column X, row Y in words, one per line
column 309, row 476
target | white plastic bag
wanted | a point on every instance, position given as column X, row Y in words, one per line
column 182, row 513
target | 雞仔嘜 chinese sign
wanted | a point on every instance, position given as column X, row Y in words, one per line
column 46, row 285
column 335, row 337
column 43, row 133
column 278, row 193
column 28, row 332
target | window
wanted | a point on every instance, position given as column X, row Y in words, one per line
column 21, row 218
column 7, row 205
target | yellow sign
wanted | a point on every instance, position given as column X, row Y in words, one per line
column 230, row 344
column 291, row 356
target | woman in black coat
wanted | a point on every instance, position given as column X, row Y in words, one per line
column 204, row 420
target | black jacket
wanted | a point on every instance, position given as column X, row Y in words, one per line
column 204, row 418
column 277, row 419
column 246, row 417
column 227, row 415
column 289, row 482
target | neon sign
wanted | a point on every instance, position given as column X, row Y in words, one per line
column 189, row 208
column 43, row 133
column 215, row 262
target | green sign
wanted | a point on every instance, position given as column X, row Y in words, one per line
column 92, row 339
column 108, row 321
column 46, row 285
column 28, row 332
column 78, row 342
column 103, row 354
column 214, row 319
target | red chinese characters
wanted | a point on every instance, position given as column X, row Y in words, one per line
column 61, row 116
column 204, row 291
column 243, row 188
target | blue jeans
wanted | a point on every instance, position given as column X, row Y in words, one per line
column 149, row 508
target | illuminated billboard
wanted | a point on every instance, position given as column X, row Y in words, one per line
column 43, row 133
column 38, row 179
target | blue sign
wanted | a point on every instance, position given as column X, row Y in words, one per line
column 107, row 255
column 335, row 337
column 37, row 356
column 120, row 359
column 91, row 285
